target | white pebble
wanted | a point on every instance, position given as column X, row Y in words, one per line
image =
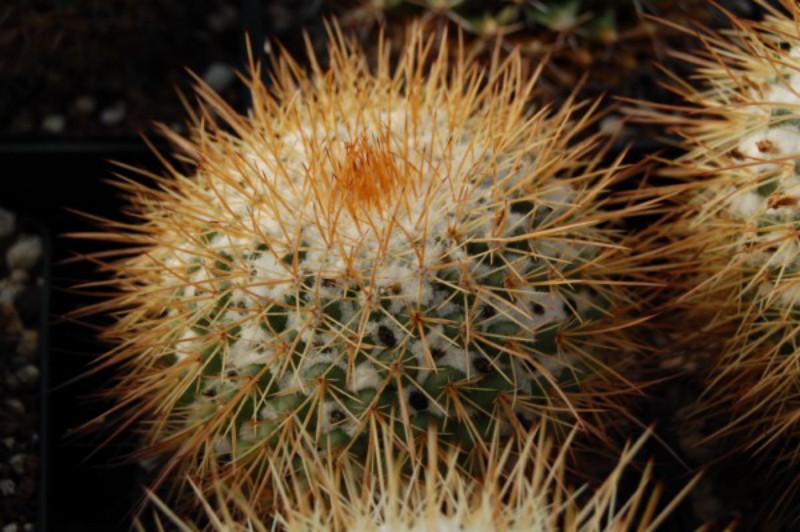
column 11, row 528
column 218, row 76
column 8, row 221
column 28, row 374
column 612, row 125
column 19, row 276
column 9, row 442
column 222, row 19
column 148, row 464
column 27, row 526
column 7, row 487
column 28, row 343
column 85, row 105
column 17, row 463
column 24, row 253
column 54, row 124
column 111, row 116
column 9, row 291
column 15, row 406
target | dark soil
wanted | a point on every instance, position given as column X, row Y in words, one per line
column 92, row 68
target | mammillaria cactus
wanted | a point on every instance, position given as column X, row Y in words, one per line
column 376, row 247
column 744, row 215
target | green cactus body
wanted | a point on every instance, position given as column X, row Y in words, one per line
column 425, row 322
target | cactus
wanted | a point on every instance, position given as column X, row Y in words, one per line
column 739, row 238
column 531, row 495
column 407, row 247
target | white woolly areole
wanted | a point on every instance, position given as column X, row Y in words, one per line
column 365, row 376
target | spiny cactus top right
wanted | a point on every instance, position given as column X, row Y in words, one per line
column 743, row 220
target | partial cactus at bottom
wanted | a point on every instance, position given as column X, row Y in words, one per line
column 530, row 494
column 407, row 246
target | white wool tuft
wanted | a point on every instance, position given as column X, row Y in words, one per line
column 365, row 376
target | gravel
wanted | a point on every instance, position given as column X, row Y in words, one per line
column 54, row 124
column 21, row 283
column 114, row 115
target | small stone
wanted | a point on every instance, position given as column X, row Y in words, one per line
column 27, row 526
column 9, row 292
column 12, row 382
column 28, row 302
column 84, row 105
column 111, row 116
column 24, row 253
column 54, row 124
column 9, row 442
column 28, row 343
column 27, row 487
column 612, row 125
column 222, row 19
column 28, row 374
column 15, row 406
column 8, row 222
column 218, row 76
column 35, row 438
column 17, row 463
column 10, row 324
column 19, row 276
column 148, row 464
column 7, row 487
column 11, row 528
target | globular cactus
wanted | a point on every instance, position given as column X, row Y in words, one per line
column 407, row 247
column 739, row 235
column 531, row 494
